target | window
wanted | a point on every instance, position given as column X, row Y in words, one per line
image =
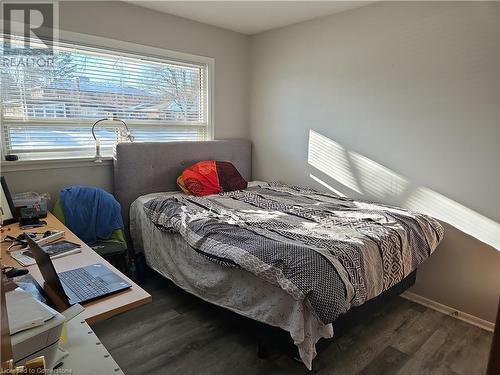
column 48, row 112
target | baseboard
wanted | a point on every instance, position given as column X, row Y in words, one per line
column 478, row 322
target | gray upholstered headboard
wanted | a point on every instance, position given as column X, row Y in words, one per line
column 142, row 168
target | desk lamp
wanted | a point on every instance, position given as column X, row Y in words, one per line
column 98, row 157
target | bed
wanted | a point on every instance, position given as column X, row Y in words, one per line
column 236, row 250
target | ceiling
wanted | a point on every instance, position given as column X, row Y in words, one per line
column 250, row 17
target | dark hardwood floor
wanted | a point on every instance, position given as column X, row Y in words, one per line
column 180, row 334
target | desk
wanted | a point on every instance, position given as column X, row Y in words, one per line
column 99, row 309
column 87, row 355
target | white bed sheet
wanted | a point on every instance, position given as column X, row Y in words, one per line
column 231, row 288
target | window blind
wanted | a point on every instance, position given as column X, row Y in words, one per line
column 48, row 112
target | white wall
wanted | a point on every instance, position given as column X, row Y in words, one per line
column 52, row 180
column 396, row 102
column 126, row 22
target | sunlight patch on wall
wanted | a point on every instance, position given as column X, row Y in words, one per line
column 323, row 183
column 434, row 204
column 354, row 170
column 376, row 180
column 373, row 180
column 331, row 158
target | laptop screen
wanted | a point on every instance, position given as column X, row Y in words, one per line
column 47, row 270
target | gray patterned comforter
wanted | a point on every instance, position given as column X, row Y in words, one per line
column 328, row 251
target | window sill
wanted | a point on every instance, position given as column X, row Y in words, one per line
column 30, row 165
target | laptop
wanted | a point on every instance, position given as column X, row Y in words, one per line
column 79, row 285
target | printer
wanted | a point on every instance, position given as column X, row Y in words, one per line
column 38, row 341
column 31, row 337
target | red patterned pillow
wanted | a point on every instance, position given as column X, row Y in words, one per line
column 212, row 177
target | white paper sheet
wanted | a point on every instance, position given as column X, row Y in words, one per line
column 24, row 311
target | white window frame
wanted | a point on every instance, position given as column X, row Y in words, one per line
column 131, row 49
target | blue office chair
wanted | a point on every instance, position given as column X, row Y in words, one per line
column 94, row 216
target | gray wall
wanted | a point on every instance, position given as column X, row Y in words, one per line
column 126, row 22
column 397, row 102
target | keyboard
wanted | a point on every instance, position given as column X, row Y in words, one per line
column 83, row 284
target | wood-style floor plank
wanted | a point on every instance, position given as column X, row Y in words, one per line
column 387, row 362
column 180, row 334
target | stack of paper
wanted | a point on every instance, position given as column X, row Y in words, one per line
column 28, row 260
column 24, row 311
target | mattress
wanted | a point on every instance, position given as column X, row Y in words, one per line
column 232, row 288
column 287, row 256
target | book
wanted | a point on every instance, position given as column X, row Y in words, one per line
column 55, row 250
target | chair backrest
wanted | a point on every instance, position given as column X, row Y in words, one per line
column 118, row 235
column 59, row 212
column 80, row 206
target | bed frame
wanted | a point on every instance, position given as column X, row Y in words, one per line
column 273, row 339
column 151, row 167
column 142, row 168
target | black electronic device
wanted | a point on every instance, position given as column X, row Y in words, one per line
column 78, row 285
